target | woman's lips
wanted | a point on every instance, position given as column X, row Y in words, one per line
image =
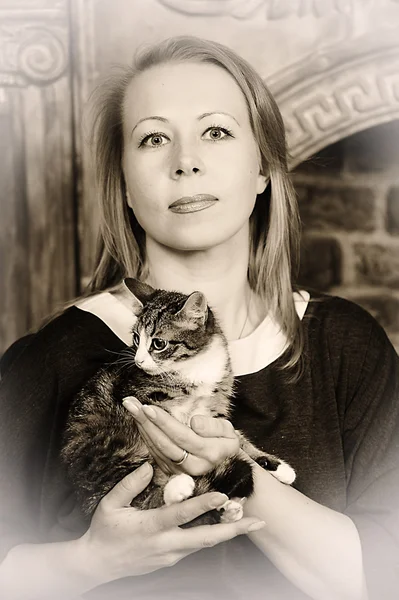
column 189, row 204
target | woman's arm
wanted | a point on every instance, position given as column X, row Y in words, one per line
column 120, row 542
column 45, row 571
column 315, row 547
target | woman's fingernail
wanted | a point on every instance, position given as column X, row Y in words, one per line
column 144, row 470
column 256, row 526
column 130, row 405
column 218, row 500
column 199, row 423
column 149, row 411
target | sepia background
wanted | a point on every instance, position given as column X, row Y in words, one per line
column 333, row 66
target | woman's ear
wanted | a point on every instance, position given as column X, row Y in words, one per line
column 128, row 200
column 262, row 183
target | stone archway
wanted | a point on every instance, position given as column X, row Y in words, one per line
column 344, row 98
column 333, row 65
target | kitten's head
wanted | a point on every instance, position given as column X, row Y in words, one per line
column 172, row 329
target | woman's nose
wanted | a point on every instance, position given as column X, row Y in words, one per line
column 186, row 161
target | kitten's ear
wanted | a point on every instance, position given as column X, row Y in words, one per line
column 195, row 307
column 141, row 292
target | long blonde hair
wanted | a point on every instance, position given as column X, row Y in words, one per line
column 274, row 223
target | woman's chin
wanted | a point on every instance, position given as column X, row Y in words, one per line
column 198, row 245
column 190, row 240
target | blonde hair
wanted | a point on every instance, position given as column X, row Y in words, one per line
column 274, row 223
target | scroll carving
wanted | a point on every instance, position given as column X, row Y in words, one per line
column 311, row 122
column 272, row 9
column 30, row 54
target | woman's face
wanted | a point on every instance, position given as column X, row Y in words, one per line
column 187, row 133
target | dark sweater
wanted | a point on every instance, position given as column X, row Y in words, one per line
column 338, row 427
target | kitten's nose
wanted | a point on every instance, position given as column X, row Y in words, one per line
column 139, row 361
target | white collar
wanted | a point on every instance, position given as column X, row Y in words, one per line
column 248, row 355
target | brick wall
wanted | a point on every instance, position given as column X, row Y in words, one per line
column 349, row 203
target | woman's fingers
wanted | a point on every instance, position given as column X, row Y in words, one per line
column 183, row 512
column 128, row 488
column 206, row 536
column 196, row 537
column 167, row 465
column 154, row 421
column 159, row 441
column 183, row 436
column 211, row 427
column 166, row 437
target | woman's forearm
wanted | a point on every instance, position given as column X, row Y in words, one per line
column 316, row 548
column 46, row 571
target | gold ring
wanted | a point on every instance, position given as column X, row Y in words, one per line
column 181, row 461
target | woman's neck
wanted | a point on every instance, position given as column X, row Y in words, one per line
column 219, row 274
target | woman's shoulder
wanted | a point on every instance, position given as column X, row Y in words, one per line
column 32, row 342
column 338, row 311
column 114, row 310
column 344, row 324
column 76, row 331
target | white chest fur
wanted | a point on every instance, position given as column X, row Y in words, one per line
column 202, row 372
column 206, row 368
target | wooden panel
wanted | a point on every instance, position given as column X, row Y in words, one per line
column 14, row 280
column 37, row 226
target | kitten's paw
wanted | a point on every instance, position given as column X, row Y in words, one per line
column 263, row 462
column 232, row 510
column 278, row 468
column 178, row 488
column 284, row 473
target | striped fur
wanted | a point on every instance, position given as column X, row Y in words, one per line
column 179, row 361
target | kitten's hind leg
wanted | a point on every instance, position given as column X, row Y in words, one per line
column 277, row 467
column 280, row 469
column 179, row 488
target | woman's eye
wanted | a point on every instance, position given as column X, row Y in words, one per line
column 159, row 344
column 153, row 140
column 136, row 339
column 218, row 133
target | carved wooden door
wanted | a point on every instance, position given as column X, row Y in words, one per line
column 37, row 214
column 334, row 73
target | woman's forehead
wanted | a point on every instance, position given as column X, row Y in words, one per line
column 168, row 89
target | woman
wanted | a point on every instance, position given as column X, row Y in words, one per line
column 191, row 164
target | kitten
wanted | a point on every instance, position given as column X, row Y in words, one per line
column 179, row 361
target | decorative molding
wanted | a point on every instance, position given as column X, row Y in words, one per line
column 31, row 54
column 84, row 74
column 272, row 9
column 27, row 10
column 359, row 97
column 24, row 5
column 3, row 101
column 214, row 8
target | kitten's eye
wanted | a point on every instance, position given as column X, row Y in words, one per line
column 136, row 339
column 159, row 344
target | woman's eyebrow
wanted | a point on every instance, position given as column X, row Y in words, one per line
column 165, row 120
column 218, row 112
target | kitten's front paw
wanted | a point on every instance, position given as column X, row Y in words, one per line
column 232, row 511
column 179, row 488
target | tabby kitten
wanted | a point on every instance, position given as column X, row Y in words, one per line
column 179, row 361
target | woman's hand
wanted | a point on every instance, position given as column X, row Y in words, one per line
column 208, row 440
column 123, row 541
